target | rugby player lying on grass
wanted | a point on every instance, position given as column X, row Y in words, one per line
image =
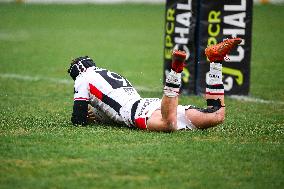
column 102, row 96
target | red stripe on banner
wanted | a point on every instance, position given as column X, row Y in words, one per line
column 214, row 93
column 81, row 98
column 95, row 91
column 141, row 123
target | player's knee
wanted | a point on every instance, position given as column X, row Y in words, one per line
column 218, row 119
column 220, row 116
column 221, row 119
column 171, row 124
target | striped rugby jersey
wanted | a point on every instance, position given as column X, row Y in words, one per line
column 108, row 92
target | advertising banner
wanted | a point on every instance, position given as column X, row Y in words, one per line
column 218, row 21
column 180, row 19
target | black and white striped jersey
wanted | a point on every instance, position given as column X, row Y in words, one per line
column 110, row 93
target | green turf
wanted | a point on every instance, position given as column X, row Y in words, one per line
column 40, row 149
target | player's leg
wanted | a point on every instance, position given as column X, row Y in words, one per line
column 214, row 114
column 166, row 118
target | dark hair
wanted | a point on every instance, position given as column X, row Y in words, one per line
column 80, row 65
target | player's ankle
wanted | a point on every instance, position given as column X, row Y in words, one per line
column 215, row 89
column 214, row 81
column 172, row 84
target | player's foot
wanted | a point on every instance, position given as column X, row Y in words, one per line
column 178, row 59
column 216, row 53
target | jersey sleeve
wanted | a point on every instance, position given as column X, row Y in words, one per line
column 81, row 100
column 81, row 91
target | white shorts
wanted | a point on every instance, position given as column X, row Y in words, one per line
column 145, row 108
column 183, row 123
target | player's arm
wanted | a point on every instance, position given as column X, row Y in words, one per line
column 81, row 101
column 80, row 112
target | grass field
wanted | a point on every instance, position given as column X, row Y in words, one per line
column 41, row 149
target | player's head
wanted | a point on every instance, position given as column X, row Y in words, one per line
column 80, row 65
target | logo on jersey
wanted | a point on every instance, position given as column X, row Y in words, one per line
column 145, row 105
column 130, row 91
column 115, row 80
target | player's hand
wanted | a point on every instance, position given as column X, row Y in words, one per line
column 91, row 116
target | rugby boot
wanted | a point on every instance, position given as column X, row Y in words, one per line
column 217, row 53
column 178, row 60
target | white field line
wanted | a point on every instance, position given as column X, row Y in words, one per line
column 34, row 78
column 139, row 88
column 256, row 100
column 85, row 1
column 61, row 81
column 14, row 36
